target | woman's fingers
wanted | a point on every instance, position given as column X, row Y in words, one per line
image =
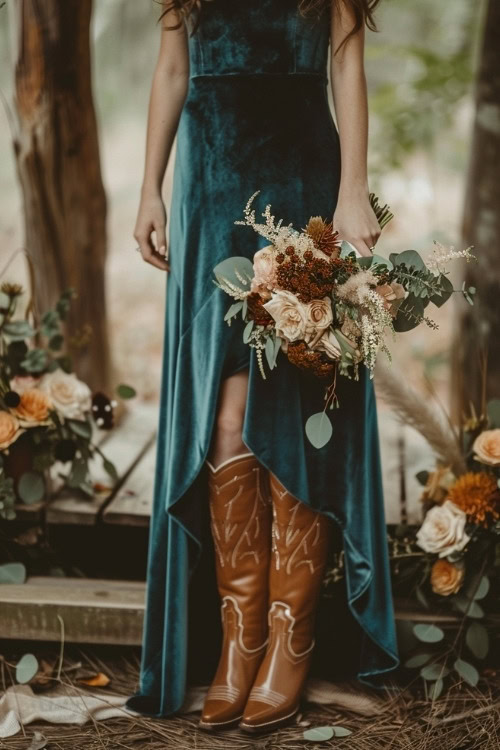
column 149, row 252
column 161, row 239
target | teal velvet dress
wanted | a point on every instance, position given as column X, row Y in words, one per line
column 256, row 117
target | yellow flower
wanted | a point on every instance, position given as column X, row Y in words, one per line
column 476, row 493
column 10, row 429
column 446, row 578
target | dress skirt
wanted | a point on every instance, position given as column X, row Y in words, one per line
column 238, row 134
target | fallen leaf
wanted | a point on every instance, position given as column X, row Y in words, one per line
column 319, row 734
column 44, row 676
column 98, row 680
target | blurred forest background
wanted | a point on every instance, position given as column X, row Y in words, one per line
column 421, row 70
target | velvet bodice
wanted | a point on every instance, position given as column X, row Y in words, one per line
column 252, row 37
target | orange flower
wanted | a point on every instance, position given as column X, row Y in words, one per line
column 10, row 429
column 33, row 409
column 446, row 578
column 478, row 496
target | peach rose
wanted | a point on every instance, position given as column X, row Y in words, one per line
column 70, row 397
column 319, row 318
column 487, row 447
column 392, row 294
column 443, row 530
column 264, row 268
column 446, row 578
column 33, row 409
column 289, row 314
column 10, row 429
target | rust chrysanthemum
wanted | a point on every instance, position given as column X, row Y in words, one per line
column 476, row 493
column 324, row 236
column 257, row 312
column 301, row 356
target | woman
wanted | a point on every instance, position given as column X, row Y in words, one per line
column 244, row 87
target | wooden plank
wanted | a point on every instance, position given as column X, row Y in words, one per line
column 132, row 503
column 124, row 447
column 96, row 611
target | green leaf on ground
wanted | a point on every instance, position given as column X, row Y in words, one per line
column 417, row 661
column 467, row 672
column 31, row 487
column 319, row 734
column 478, row 640
column 26, row 668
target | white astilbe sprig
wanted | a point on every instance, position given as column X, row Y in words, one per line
column 278, row 235
column 441, row 255
column 233, row 290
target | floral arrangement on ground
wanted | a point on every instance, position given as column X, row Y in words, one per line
column 451, row 563
column 311, row 297
column 48, row 417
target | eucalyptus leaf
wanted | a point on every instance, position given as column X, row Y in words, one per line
column 248, row 331
column 434, row 671
column 56, row 341
column 126, row 391
column 467, row 672
column 319, row 734
column 493, row 412
column 422, row 477
column 233, row 310
column 428, row 633
column 31, row 487
column 13, row 572
column 18, row 330
column 410, row 258
column 346, row 248
column 468, row 607
column 447, row 291
column 80, row 427
column 436, row 689
column 417, row 661
column 319, row 429
column 36, row 360
column 110, row 469
column 277, row 348
column 26, row 668
column 230, row 268
column 38, row 742
column 270, row 352
column 483, row 588
column 379, row 260
column 410, row 313
column 478, row 640
column 341, row 732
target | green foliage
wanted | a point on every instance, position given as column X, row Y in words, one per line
column 319, row 429
column 26, row 668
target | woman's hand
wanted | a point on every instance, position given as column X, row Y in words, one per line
column 356, row 222
column 152, row 217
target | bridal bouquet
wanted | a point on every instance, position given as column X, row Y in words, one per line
column 311, row 297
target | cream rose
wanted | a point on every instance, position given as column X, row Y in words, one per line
column 289, row 314
column 10, row 429
column 319, row 318
column 392, row 294
column 329, row 344
column 487, row 447
column 443, row 530
column 33, row 409
column 70, row 397
column 264, row 268
column 446, row 578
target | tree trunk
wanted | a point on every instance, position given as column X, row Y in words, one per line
column 58, row 164
column 480, row 324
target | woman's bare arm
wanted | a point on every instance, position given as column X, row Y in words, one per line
column 168, row 93
column 354, row 218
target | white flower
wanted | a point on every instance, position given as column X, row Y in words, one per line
column 443, row 530
column 289, row 313
column 70, row 397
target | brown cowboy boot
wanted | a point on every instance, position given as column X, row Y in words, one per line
column 300, row 544
column 241, row 528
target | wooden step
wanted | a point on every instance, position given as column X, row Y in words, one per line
column 90, row 611
column 132, row 503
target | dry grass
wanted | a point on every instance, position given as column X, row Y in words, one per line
column 463, row 719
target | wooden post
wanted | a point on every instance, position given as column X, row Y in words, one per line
column 57, row 155
column 480, row 325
